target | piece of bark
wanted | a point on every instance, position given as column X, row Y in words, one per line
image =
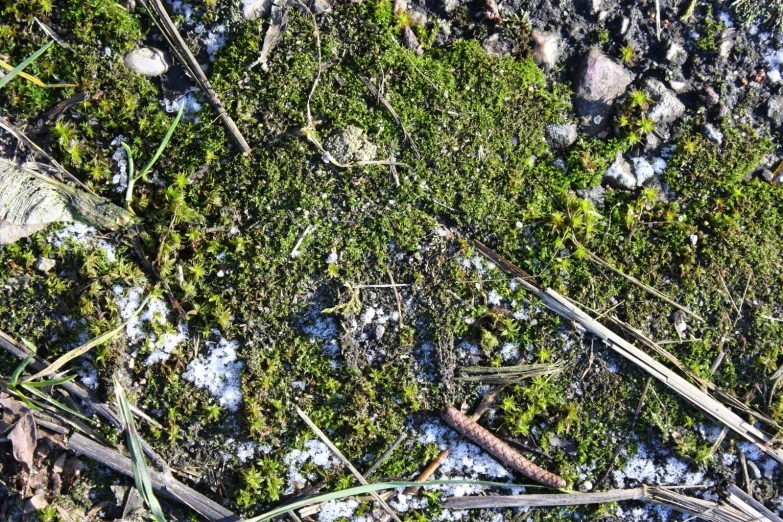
column 163, row 484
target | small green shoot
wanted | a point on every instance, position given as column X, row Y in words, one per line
column 19, row 388
column 627, row 54
column 132, row 177
column 141, row 472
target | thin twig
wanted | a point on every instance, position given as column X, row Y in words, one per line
column 189, row 62
column 345, row 461
column 396, row 297
column 383, row 101
column 386, row 454
column 622, row 445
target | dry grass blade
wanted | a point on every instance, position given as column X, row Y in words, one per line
column 345, row 461
column 706, row 510
column 32, row 79
column 86, row 347
column 363, row 490
column 750, row 505
column 722, row 395
column 18, row 69
column 376, row 93
column 38, row 151
column 597, row 260
column 164, row 484
column 691, row 393
column 507, row 374
column 141, row 472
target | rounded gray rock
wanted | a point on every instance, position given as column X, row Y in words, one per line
column 619, row 174
column 147, row 61
column 560, row 135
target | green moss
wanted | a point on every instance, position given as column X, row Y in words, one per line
column 483, row 170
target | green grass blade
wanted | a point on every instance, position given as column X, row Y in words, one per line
column 86, row 347
column 141, row 472
column 369, row 488
column 54, row 402
column 129, row 152
column 19, row 369
column 163, row 144
column 43, row 384
column 16, row 70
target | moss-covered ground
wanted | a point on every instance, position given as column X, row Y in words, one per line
column 484, row 172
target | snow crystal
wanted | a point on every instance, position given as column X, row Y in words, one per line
column 214, row 40
column 245, row 451
column 154, row 314
column 218, row 372
column 643, row 169
column 493, row 298
column 510, row 352
column 754, row 453
column 192, row 106
column 335, row 510
column 121, row 158
column 89, row 375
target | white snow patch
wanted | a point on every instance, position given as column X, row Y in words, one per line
column 643, row 469
column 510, row 352
column 315, row 452
column 493, row 298
column 219, row 372
column 86, row 236
column 774, row 60
column 192, row 106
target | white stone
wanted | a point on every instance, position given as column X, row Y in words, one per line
column 147, row 61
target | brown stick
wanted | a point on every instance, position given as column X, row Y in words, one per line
column 433, row 466
column 499, row 449
column 185, row 56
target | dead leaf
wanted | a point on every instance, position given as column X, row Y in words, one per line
column 24, row 438
column 35, row 503
column 14, row 407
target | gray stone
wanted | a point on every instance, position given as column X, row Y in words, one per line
column 601, row 82
column 676, row 54
column 254, row 9
column 775, row 110
column 147, row 61
column 45, row 264
column 726, row 42
column 350, row 145
column 596, row 195
column 678, row 86
column 619, row 174
column 560, row 135
column 321, row 7
column 667, row 107
column 496, row 46
column 712, row 133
